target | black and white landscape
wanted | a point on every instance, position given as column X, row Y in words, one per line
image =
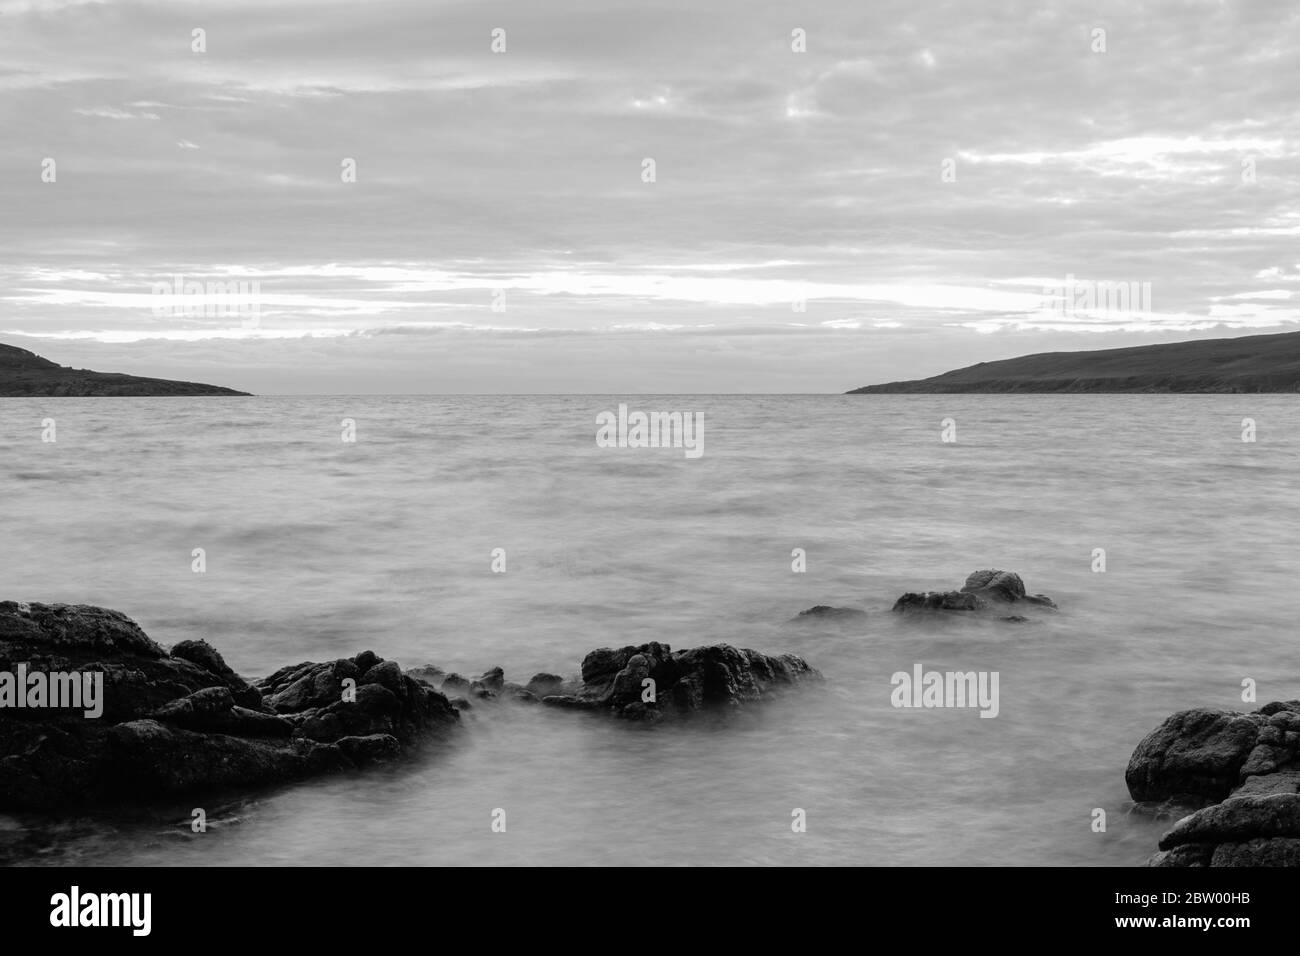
column 648, row 434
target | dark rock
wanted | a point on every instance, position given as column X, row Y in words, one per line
column 454, row 683
column 366, row 660
column 938, row 601
column 1174, row 809
column 1189, row 854
column 1280, row 706
column 1286, row 781
column 982, row 590
column 205, row 655
column 214, row 709
column 144, row 758
column 1003, row 586
column 1248, row 765
column 545, row 685
column 54, row 628
column 571, row 702
column 493, row 679
column 1279, row 851
column 1194, row 752
column 308, row 687
column 178, row 721
column 652, row 681
column 369, row 749
column 824, row 612
column 428, row 673
column 386, row 674
column 1238, row 819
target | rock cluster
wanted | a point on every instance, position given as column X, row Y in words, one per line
column 618, row 681
column 983, row 590
column 183, row 720
column 648, row 682
column 1246, row 765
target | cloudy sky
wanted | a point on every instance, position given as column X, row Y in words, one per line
column 916, row 178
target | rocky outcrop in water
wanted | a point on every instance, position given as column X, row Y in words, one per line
column 1247, row 765
column 983, row 591
column 824, row 612
column 646, row 683
column 181, row 720
column 653, row 681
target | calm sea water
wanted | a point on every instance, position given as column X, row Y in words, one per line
column 317, row 548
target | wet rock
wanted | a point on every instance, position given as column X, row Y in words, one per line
column 1003, row 586
column 982, row 590
column 1238, row 819
column 571, row 702
column 1174, row 809
column 1246, row 765
column 545, row 685
column 652, row 681
column 428, row 674
column 1189, row 854
column 372, row 748
column 183, row 720
column 938, row 601
column 455, row 684
column 214, row 709
column 308, row 686
column 824, row 612
column 1279, row 851
column 386, row 674
column 206, row 656
column 493, row 679
column 1194, row 752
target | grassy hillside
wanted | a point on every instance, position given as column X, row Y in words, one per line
column 24, row 373
column 1254, row 363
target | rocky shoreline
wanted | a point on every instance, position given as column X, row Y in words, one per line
column 1234, row 775
column 179, row 720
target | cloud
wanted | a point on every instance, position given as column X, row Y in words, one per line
column 781, row 176
column 108, row 112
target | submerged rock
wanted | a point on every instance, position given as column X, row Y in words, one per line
column 983, row 590
column 182, row 719
column 1247, row 765
column 546, row 685
column 823, row 612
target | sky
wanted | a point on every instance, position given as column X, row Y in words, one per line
column 638, row 197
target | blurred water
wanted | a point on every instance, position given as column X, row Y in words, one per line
column 318, row 548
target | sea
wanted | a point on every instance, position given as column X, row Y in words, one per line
column 479, row 531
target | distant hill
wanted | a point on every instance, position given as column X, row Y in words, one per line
column 24, row 373
column 1252, row 363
